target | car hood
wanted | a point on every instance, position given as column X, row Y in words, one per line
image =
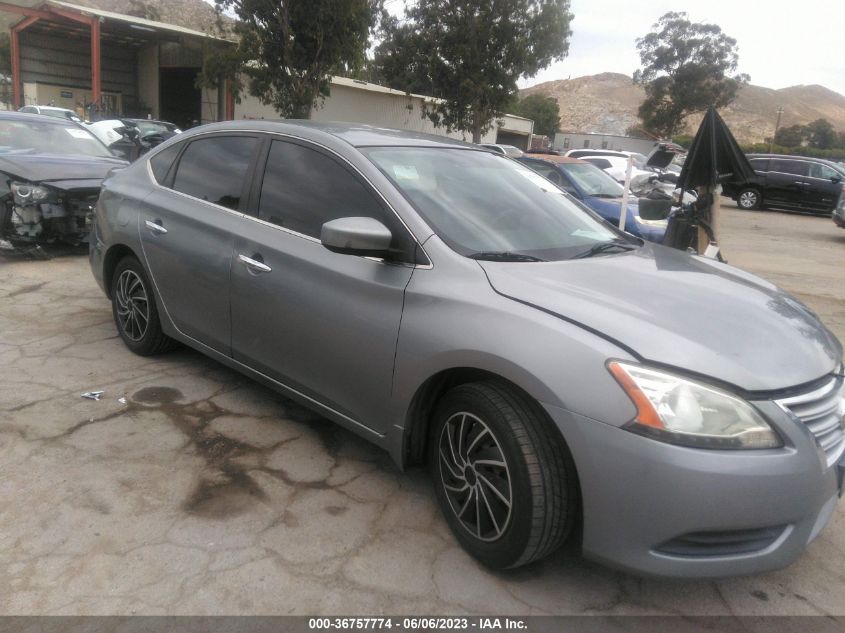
column 688, row 312
column 36, row 168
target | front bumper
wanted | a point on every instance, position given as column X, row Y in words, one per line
column 662, row 510
column 839, row 215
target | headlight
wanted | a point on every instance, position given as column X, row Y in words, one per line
column 681, row 411
column 26, row 194
column 655, row 223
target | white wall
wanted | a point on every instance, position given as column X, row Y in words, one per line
column 148, row 77
column 360, row 102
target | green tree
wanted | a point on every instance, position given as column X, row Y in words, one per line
column 820, row 134
column 470, row 54
column 685, row 68
column 288, row 50
column 791, row 136
column 543, row 110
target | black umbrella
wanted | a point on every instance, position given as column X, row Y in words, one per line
column 714, row 157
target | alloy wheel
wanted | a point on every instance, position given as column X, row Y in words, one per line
column 133, row 306
column 748, row 199
column 475, row 476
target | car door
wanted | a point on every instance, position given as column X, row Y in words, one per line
column 322, row 323
column 187, row 229
column 785, row 182
column 824, row 184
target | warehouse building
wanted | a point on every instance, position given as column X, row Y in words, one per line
column 104, row 64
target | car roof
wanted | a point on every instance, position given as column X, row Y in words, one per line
column 830, row 163
column 552, row 158
column 40, row 118
column 355, row 134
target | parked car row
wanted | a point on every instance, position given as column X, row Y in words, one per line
column 557, row 375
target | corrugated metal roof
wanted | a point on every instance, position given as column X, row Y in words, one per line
column 131, row 19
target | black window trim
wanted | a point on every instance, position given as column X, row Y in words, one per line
column 247, row 181
column 265, row 138
column 167, row 181
column 258, row 178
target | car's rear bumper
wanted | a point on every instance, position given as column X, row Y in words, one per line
column 663, row 510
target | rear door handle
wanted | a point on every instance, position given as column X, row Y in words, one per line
column 155, row 226
column 254, row 264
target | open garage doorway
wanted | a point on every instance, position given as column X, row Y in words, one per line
column 180, row 99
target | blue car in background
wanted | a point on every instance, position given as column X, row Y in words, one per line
column 592, row 186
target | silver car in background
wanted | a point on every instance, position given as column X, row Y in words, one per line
column 457, row 309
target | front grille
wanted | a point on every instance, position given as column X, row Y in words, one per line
column 721, row 543
column 821, row 410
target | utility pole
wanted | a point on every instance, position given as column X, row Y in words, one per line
column 777, row 127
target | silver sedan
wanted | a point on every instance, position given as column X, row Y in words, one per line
column 459, row 310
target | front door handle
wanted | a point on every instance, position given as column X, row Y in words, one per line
column 253, row 264
column 155, row 226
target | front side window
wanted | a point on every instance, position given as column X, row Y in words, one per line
column 214, row 168
column 304, row 188
column 819, row 170
column 484, row 207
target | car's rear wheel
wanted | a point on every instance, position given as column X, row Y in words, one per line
column 749, row 199
column 506, row 485
column 134, row 310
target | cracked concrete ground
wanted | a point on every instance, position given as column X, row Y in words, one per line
column 207, row 494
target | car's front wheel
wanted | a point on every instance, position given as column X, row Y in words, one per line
column 749, row 199
column 134, row 310
column 506, row 485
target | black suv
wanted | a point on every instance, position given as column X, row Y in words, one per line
column 789, row 182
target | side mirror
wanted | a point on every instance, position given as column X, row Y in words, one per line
column 836, row 179
column 356, row 236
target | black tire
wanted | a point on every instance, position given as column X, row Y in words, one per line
column 749, row 199
column 538, row 478
column 132, row 300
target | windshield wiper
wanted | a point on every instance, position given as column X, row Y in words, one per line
column 504, row 256
column 604, row 247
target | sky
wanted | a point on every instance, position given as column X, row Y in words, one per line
column 780, row 44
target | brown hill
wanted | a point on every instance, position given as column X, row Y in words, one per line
column 192, row 14
column 608, row 103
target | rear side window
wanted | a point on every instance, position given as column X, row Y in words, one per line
column 795, row 167
column 304, row 188
column 214, row 168
column 161, row 162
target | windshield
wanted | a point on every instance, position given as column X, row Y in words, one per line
column 489, row 207
column 152, row 127
column 49, row 136
column 593, row 181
